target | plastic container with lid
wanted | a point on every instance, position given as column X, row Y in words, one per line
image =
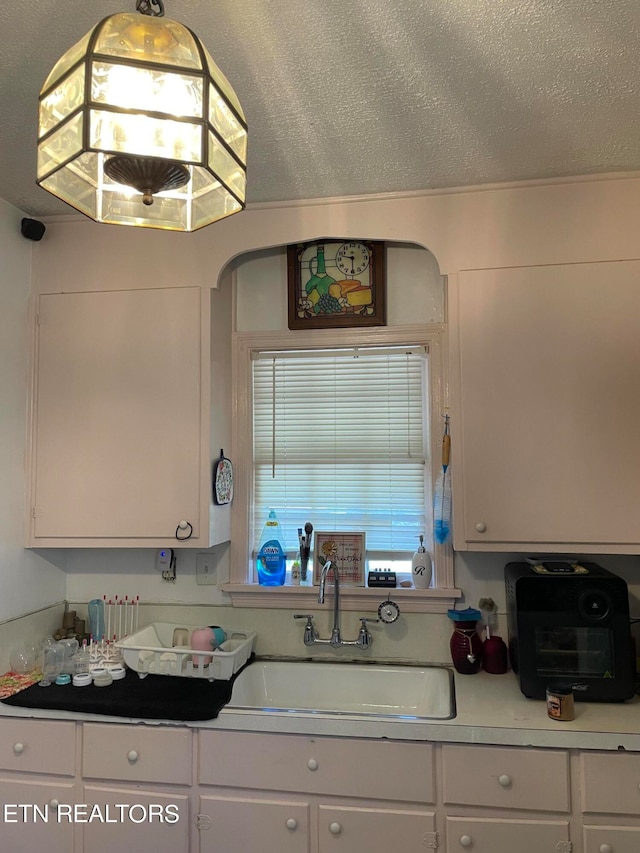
column 465, row 643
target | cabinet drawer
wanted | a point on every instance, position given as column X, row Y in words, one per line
column 132, row 753
column 136, row 820
column 38, row 746
column 508, row 778
column 599, row 794
column 365, row 830
column 488, row 836
column 30, row 819
column 379, row 769
column 252, row 824
column 611, row 839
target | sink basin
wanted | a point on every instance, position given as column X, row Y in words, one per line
column 413, row 692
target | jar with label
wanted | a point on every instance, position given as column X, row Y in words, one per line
column 560, row 704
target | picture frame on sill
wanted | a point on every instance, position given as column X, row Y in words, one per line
column 334, row 283
column 347, row 550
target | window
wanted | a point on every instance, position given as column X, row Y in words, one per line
column 339, row 428
column 339, row 440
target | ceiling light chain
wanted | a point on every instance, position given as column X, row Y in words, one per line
column 144, row 7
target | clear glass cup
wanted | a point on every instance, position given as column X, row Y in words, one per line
column 52, row 663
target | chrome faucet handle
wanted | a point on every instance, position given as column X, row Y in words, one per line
column 364, row 636
column 310, row 633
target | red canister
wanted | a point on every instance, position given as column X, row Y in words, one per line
column 465, row 643
column 494, row 655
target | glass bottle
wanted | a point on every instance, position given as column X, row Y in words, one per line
column 465, row 643
column 320, row 281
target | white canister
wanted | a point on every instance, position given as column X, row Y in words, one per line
column 421, row 569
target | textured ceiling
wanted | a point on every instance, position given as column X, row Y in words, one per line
column 347, row 97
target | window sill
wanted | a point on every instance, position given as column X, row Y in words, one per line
column 351, row 598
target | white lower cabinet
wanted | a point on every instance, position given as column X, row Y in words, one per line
column 374, row 829
column 610, row 786
column 103, row 788
column 37, row 786
column 353, row 795
column 525, row 786
column 611, row 839
column 488, row 835
column 135, row 819
column 30, row 819
column 149, row 806
column 253, row 824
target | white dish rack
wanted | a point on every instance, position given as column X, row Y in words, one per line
column 151, row 651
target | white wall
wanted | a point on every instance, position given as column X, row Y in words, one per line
column 28, row 581
column 555, row 222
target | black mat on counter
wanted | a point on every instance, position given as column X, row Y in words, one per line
column 156, row 697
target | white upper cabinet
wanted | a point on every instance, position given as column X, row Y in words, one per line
column 118, row 419
column 545, row 368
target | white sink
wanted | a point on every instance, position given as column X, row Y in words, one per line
column 345, row 688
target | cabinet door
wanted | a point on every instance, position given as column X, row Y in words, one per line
column 482, row 835
column 374, row 830
column 546, row 449
column 30, row 819
column 597, row 770
column 611, row 839
column 253, row 825
column 120, row 819
column 117, row 416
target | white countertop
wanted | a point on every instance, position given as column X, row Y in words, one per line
column 490, row 709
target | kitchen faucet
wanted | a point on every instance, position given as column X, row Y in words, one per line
column 335, row 631
column 311, row 637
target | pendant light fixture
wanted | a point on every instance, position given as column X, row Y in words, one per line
column 138, row 126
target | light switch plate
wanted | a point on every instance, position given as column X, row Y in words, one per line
column 206, row 572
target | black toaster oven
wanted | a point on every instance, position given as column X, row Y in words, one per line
column 569, row 622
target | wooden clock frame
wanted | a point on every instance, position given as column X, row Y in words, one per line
column 302, row 314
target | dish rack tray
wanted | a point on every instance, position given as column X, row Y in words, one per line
column 151, row 651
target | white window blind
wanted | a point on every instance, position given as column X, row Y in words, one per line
column 339, row 440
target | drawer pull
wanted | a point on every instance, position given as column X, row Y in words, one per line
column 18, row 748
column 481, row 527
column 312, row 764
column 335, row 828
column 504, row 780
column 292, row 823
column 466, row 841
column 53, row 804
column 606, row 848
column 132, row 756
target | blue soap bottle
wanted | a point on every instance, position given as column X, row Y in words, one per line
column 271, row 561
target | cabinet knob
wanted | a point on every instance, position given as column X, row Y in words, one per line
column 606, row 848
column 132, row 756
column 18, row 748
column 481, row 528
column 312, row 764
column 292, row 823
column 53, row 804
column 504, row 780
column 335, row 828
column 466, row 841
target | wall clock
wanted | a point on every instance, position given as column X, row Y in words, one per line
column 336, row 283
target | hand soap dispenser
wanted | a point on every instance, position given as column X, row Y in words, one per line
column 421, row 569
